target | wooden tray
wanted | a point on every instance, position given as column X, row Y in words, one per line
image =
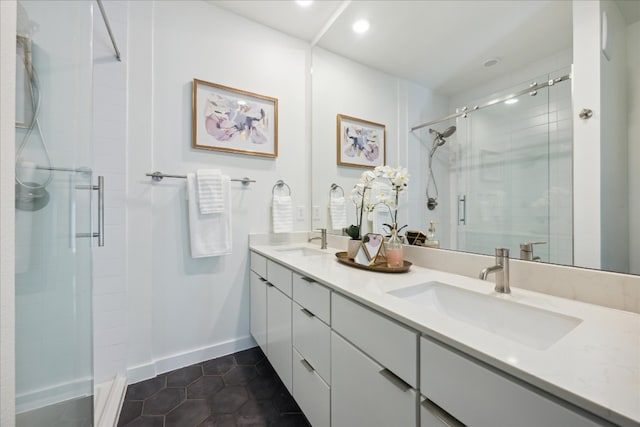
column 382, row 268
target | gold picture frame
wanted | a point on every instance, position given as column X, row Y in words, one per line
column 360, row 143
column 233, row 120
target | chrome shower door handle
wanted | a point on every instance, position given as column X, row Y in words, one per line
column 462, row 220
column 100, row 189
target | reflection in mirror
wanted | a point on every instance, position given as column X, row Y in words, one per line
column 508, row 176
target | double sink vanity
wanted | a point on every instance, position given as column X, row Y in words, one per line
column 431, row 348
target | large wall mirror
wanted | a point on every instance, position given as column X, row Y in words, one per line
column 528, row 170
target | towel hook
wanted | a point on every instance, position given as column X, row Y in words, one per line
column 334, row 187
column 279, row 184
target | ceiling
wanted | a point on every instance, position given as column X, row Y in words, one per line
column 439, row 44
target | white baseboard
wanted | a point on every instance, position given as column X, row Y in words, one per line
column 108, row 402
column 169, row 363
column 53, row 394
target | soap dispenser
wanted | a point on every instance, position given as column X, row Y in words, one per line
column 432, row 241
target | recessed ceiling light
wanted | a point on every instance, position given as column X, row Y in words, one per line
column 361, row 26
column 304, row 3
column 491, row 62
column 511, row 101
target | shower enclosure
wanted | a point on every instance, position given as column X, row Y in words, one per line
column 512, row 178
column 54, row 220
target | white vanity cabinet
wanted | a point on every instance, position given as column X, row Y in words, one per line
column 312, row 349
column 373, row 368
column 271, row 286
column 478, row 395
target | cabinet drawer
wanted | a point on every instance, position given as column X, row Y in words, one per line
column 481, row 396
column 312, row 296
column 259, row 264
column 312, row 339
column 385, row 340
column 311, row 392
column 363, row 394
column 279, row 276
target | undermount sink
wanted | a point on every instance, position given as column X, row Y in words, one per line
column 301, row 251
column 534, row 327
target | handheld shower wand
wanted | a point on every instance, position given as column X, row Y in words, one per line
column 438, row 141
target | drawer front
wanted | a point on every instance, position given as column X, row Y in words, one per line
column 480, row 396
column 311, row 392
column 385, row 340
column 312, row 296
column 280, row 277
column 259, row 264
column 362, row 394
column 312, row 339
column 259, row 310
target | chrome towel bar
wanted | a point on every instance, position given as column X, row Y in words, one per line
column 157, row 177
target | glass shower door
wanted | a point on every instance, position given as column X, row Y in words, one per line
column 54, row 354
column 504, row 178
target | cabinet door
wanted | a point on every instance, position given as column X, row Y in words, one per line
column 259, row 310
column 364, row 393
column 279, row 334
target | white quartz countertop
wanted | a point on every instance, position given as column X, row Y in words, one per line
column 596, row 366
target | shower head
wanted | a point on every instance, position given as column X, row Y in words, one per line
column 441, row 136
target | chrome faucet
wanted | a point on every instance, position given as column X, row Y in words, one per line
column 501, row 269
column 322, row 237
column 526, row 251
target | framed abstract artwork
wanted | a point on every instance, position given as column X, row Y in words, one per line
column 233, row 120
column 361, row 143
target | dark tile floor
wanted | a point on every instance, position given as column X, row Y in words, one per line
column 240, row 389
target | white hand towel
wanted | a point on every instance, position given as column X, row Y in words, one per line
column 282, row 214
column 210, row 234
column 210, row 197
column 338, row 210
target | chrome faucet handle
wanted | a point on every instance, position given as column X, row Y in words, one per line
column 526, row 251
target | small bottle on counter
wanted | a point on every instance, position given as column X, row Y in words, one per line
column 432, row 241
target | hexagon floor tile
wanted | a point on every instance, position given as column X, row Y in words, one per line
column 239, row 389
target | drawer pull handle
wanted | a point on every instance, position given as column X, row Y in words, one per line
column 396, row 380
column 308, row 280
column 269, row 284
column 262, row 279
column 307, row 312
column 307, row 365
column 441, row 414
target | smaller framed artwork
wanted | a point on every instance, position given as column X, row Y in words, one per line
column 233, row 120
column 361, row 143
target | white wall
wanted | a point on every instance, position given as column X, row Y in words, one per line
column 633, row 112
column 110, row 161
column 333, row 77
column 7, row 223
column 198, row 309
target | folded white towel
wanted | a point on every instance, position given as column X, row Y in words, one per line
column 282, row 214
column 210, row 234
column 210, row 197
column 380, row 214
column 338, row 210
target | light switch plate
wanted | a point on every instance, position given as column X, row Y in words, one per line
column 299, row 213
column 315, row 213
